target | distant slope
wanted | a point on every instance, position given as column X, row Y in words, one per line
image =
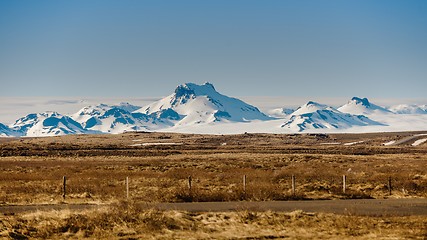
column 362, row 106
column 409, row 109
column 5, row 131
column 197, row 104
column 115, row 119
column 313, row 115
column 47, row 124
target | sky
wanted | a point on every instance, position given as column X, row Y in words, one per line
column 129, row 48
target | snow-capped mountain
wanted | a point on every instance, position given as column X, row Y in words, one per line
column 311, row 106
column 313, row 115
column 362, row 106
column 115, row 119
column 194, row 108
column 195, row 104
column 5, row 131
column 47, row 124
column 409, row 109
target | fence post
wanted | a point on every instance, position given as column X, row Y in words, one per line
column 127, row 187
column 344, row 183
column 189, row 184
column 244, row 185
column 389, row 185
column 64, row 186
column 293, row 185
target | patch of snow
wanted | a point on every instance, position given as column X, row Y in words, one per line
column 389, row 143
column 352, row 143
column 154, row 144
column 419, row 142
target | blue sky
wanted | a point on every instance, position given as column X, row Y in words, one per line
column 135, row 48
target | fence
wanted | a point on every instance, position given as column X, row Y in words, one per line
column 190, row 186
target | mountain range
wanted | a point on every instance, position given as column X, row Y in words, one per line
column 314, row 115
column 409, row 109
column 115, row 119
column 202, row 109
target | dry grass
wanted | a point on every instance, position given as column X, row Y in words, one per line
column 127, row 221
column 216, row 177
column 96, row 166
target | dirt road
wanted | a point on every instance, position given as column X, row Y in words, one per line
column 371, row 207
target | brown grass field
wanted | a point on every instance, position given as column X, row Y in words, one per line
column 96, row 167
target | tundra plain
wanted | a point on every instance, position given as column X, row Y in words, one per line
column 158, row 166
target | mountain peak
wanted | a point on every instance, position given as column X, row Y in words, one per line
column 188, row 89
column 194, row 104
column 195, row 85
column 311, row 106
column 362, row 106
column 316, row 104
column 363, row 101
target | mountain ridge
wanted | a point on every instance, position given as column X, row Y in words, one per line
column 201, row 108
column 313, row 115
column 47, row 124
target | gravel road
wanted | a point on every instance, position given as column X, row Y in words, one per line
column 369, row 207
